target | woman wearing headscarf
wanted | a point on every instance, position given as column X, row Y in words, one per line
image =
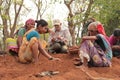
column 95, row 47
column 30, row 23
column 14, row 44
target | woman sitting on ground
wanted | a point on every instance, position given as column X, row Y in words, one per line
column 95, row 47
column 115, row 42
column 13, row 44
column 31, row 47
column 29, row 24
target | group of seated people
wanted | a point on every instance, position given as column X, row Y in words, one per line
column 97, row 48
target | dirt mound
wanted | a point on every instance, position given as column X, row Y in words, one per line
column 10, row 69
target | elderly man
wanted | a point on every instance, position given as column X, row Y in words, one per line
column 60, row 39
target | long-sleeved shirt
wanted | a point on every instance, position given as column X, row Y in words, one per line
column 63, row 33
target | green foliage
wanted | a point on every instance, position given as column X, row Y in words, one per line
column 50, row 23
column 108, row 13
column 1, row 7
column 78, row 41
column 19, row 2
column 105, row 11
column 5, row 16
column 1, row 26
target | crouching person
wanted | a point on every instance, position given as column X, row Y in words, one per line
column 95, row 47
column 31, row 46
column 60, row 39
column 115, row 42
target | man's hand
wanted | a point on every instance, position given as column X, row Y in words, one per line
column 53, row 40
column 65, row 40
column 59, row 38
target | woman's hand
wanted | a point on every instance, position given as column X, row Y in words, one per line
column 55, row 59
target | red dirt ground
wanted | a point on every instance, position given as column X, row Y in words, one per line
column 10, row 69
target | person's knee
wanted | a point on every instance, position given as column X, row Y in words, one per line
column 33, row 43
column 56, row 46
column 34, row 46
column 64, row 49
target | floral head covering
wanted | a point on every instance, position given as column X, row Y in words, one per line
column 29, row 21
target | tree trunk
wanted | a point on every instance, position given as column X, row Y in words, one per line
column 87, row 13
column 5, row 14
column 5, row 31
column 15, row 19
column 70, row 21
column 72, row 30
column 0, row 46
column 78, row 33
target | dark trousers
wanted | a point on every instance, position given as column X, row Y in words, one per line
column 57, row 47
column 116, row 53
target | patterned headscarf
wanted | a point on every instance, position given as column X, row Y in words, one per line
column 100, row 29
column 29, row 21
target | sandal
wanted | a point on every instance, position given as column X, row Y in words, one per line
column 78, row 64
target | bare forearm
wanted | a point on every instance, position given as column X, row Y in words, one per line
column 43, row 51
column 89, row 37
column 19, row 41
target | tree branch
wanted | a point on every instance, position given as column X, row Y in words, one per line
column 44, row 9
column 71, row 2
column 16, row 17
column 88, row 10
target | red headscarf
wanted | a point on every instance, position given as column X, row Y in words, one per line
column 101, row 30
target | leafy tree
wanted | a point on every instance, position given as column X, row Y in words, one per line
column 9, row 21
column 79, row 11
column 42, row 6
column 107, row 12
